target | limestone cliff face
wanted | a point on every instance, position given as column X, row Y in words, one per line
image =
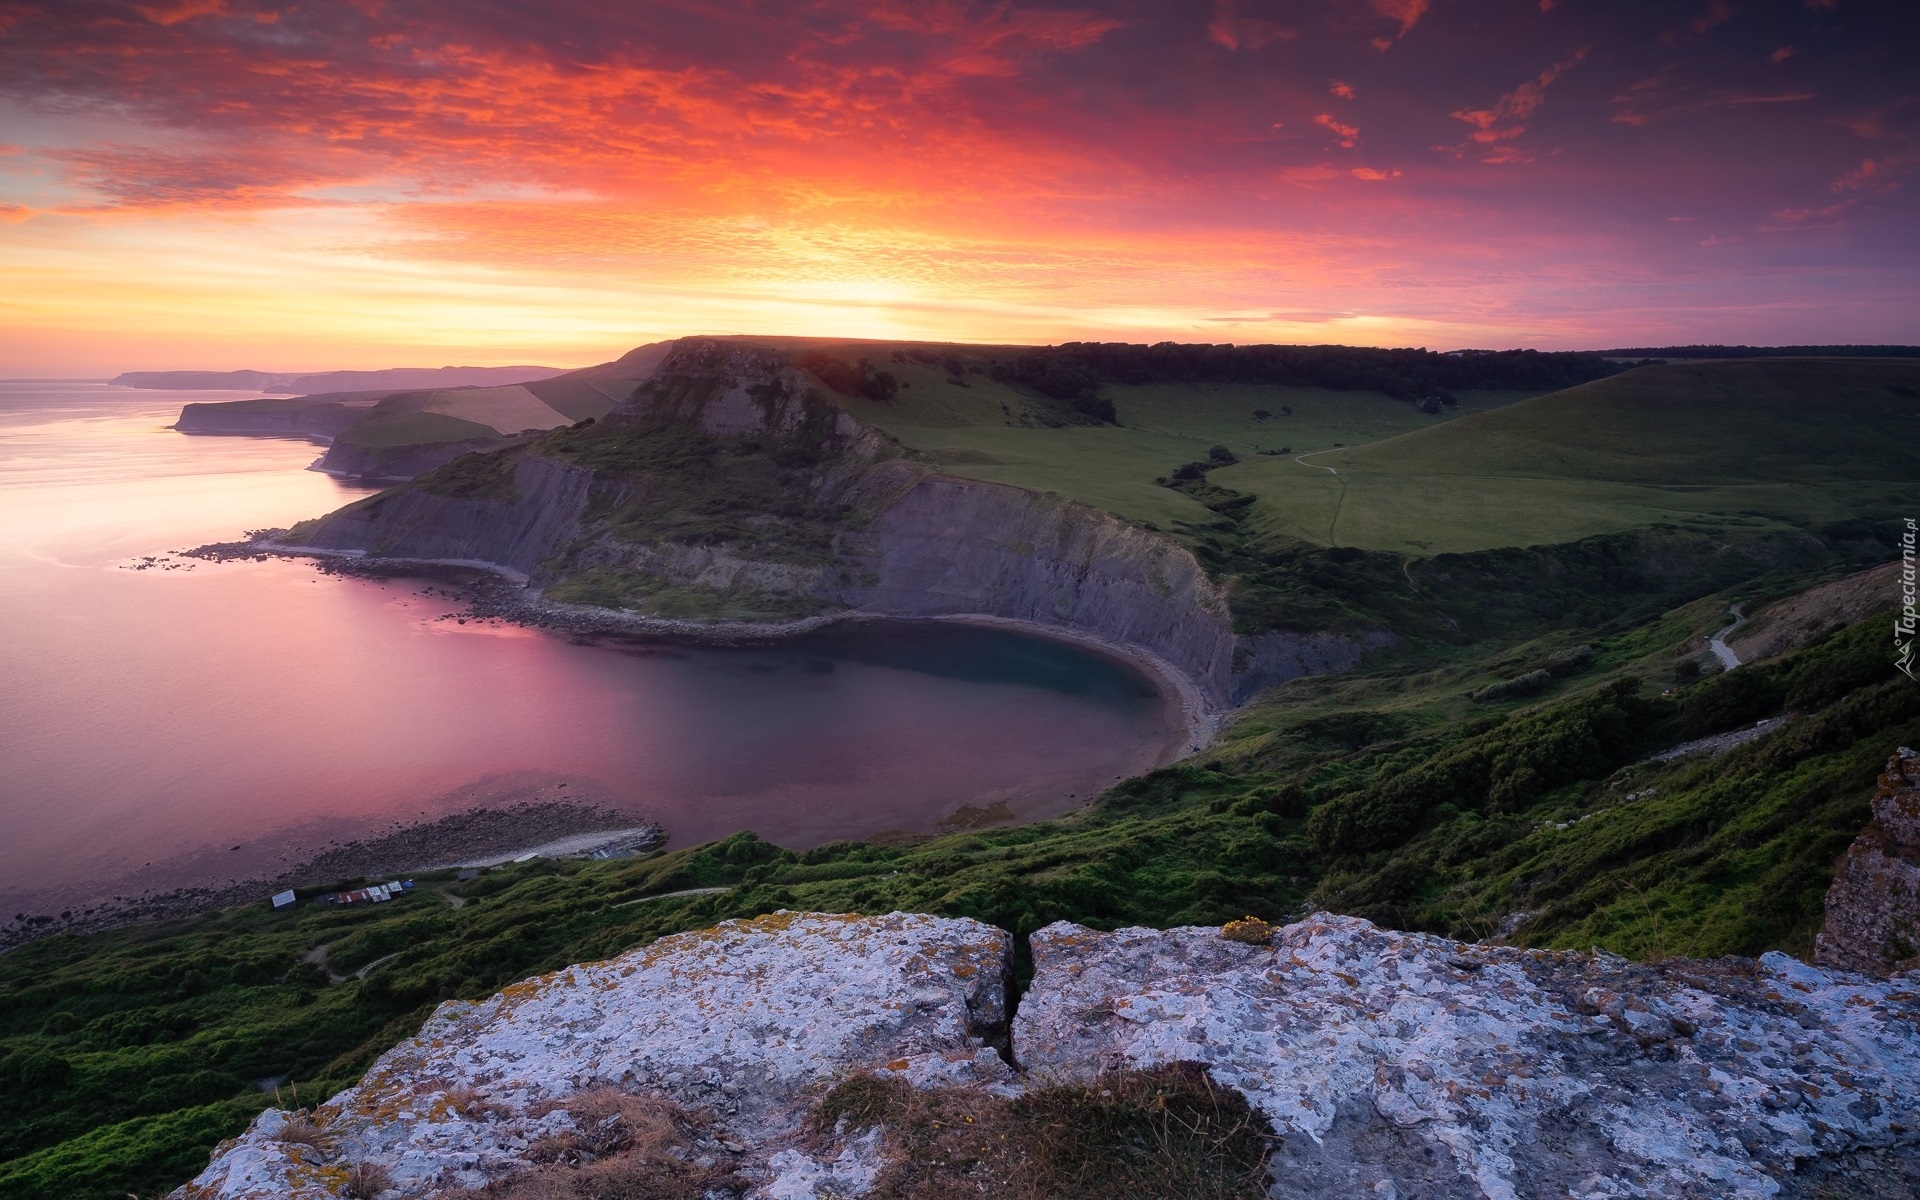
column 1385, row 1064
column 1873, row 908
column 538, row 515
column 960, row 546
column 905, row 540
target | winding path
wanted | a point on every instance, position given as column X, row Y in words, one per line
column 1301, row 459
column 1718, row 642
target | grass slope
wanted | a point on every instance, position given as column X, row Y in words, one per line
column 1735, row 444
column 1393, row 793
column 981, row 428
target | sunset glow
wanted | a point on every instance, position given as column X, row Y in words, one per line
column 222, row 183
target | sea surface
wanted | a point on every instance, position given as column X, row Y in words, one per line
column 169, row 721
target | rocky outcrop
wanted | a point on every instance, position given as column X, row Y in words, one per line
column 1266, row 660
column 749, row 1020
column 1394, row 1064
column 1387, row 1064
column 1873, row 908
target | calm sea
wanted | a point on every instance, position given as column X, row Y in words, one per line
column 168, row 726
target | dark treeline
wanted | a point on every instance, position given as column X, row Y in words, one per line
column 1765, row 352
column 1074, row 371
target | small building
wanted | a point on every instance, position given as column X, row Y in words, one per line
column 283, row 899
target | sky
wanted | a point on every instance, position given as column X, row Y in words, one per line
column 365, row 183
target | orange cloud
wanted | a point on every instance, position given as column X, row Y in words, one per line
column 1342, row 90
column 1349, row 135
column 1503, row 120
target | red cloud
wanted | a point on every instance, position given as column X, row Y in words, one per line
column 1874, row 174
column 1407, row 12
column 1349, row 135
column 1342, row 90
column 1502, row 120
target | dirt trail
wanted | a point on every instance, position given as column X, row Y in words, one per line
column 1718, row 642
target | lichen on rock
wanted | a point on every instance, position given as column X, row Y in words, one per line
column 1379, row 1063
column 748, row 1020
column 1404, row 1064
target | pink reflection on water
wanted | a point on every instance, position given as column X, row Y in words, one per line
column 164, row 716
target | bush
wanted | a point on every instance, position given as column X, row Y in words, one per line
column 1530, row 684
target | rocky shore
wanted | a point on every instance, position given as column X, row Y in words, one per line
column 476, row 835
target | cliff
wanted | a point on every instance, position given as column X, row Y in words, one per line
column 802, row 1055
column 320, row 418
column 1873, row 909
column 728, row 485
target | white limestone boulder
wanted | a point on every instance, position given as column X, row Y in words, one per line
column 1396, row 1065
column 750, row 1021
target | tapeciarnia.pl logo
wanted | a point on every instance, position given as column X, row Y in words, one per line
column 1904, row 624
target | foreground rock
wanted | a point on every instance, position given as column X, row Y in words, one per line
column 1873, row 907
column 1396, row 1064
column 749, row 1020
column 1387, row 1064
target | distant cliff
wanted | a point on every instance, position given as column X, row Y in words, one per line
column 390, row 379
column 319, row 418
column 729, row 486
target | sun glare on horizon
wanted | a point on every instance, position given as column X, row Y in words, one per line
column 191, row 183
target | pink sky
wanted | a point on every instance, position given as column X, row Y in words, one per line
column 226, row 183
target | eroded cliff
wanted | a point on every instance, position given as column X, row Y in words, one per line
column 1873, row 909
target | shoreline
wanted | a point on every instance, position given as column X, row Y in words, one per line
column 1199, row 720
column 502, row 593
column 477, row 837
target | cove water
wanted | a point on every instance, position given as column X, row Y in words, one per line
column 161, row 727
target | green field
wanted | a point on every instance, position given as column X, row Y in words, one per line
column 1743, row 443
column 992, row 431
column 415, row 428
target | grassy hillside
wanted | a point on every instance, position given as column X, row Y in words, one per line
column 982, row 428
column 1416, row 793
column 1736, row 444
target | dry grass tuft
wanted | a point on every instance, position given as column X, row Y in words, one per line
column 367, row 1181
column 1166, row 1134
column 302, row 1130
column 625, row 1147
